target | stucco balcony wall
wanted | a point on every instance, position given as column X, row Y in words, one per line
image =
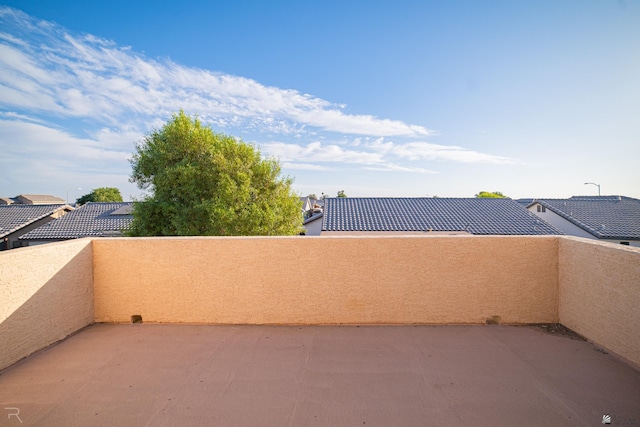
column 599, row 294
column 327, row 280
column 50, row 291
column 46, row 294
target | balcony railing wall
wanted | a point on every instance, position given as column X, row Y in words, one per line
column 48, row 292
column 599, row 294
column 327, row 280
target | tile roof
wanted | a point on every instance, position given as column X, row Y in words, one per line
column 606, row 217
column 524, row 202
column 15, row 217
column 92, row 219
column 315, row 216
column 38, row 199
column 473, row 215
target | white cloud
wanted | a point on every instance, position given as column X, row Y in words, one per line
column 390, row 167
column 76, row 103
column 427, row 151
column 304, row 166
column 21, row 140
column 123, row 139
column 11, row 115
column 319, row 152
column 12, row 40
column 376, row 155
column 84, row 76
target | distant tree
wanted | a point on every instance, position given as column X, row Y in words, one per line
column 107, row 194
column 205, row 183
column 102, row 194
column 493, row 195
column 312, row 196
column 341, row 193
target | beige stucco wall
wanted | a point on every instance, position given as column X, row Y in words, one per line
column 600, row 293
column 326, row 280
column 46, row 294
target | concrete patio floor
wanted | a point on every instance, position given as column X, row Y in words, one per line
column 197, row 375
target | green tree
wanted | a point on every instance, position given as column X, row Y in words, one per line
column 312, row 196
column 206, row 183
column 102, row 194
column 491, row 195
column 341, row 193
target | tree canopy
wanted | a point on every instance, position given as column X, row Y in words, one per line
column 205, row 183
column 341, row 193
column 102, row 194
column 491, row 195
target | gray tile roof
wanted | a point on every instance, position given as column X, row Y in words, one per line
column 312, row 218
column 473, row 215
column 92, row 219
column 15, row 217
column 524, row 202
column 606, row 217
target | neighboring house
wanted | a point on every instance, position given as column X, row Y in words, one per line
column 32, row 199
column 311, row 206
column 18, row 219
column 90, row 220
column 433, row 215
column 524, row 202
column 307, row 204
column 312, row 215
column 614, row 219
column 313, row 224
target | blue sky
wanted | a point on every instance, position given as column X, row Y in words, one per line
column 403, row 98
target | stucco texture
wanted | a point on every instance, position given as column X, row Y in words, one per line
column 46, row 294
column 327, row 280
column 599, row 294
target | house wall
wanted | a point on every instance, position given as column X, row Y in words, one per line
column 46, row 294
column 32, row 242
column 266, row 280
column 313, row 228
column 567, row 227
column 600, row 294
